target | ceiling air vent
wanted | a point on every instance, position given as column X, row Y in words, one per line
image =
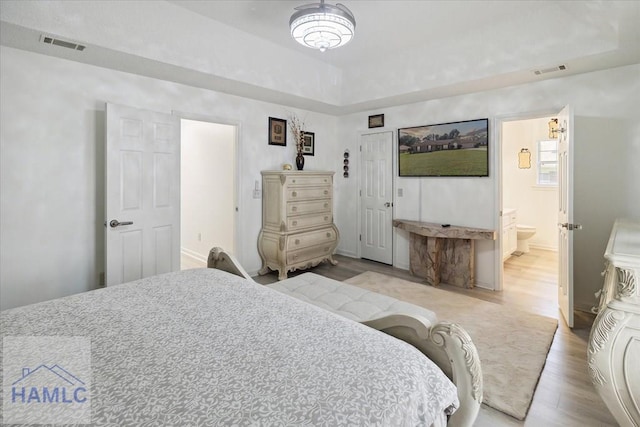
column 550, row 70
column 62, row 43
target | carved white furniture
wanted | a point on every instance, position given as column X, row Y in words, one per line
column 297, row 221
column 443, row 254
column 614, row 343
column 448, row 345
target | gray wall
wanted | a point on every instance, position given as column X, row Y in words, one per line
column 51, row 137
column 606, row 105
column 52, row 173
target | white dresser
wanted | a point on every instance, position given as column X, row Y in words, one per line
column 614, row 343
column 297, row 221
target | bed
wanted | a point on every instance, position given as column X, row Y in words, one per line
column 210, row 347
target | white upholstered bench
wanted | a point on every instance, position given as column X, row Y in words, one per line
column 349, row 301
column 447, row 344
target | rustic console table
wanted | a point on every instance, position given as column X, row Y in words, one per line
column 443, row 254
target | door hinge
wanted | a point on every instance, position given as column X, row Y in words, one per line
column 360, row 238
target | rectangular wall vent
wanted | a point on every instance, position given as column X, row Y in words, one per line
column 550, row 70
column 62, row 43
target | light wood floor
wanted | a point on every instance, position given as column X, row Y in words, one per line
column 564, row 396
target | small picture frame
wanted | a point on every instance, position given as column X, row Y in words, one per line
column 277, row 132
column 376, row 121
column 308, row 144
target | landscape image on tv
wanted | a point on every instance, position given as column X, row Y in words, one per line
column 446, row 149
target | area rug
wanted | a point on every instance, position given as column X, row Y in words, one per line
column 512, row 344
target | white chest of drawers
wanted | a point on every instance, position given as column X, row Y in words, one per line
column 297, row 221
column 614, row 343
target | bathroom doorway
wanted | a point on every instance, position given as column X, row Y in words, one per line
column 529, row 201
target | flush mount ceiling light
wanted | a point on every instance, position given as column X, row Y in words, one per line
column 322, row 26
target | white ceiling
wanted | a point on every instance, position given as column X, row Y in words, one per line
column 418, row 50
column 382, row 27
column 418, row 27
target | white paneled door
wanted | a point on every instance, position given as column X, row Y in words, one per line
column 565, row 214
column 142, row 166
column 376, row 198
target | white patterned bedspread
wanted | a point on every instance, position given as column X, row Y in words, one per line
column 203, row 347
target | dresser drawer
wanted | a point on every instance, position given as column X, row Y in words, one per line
column 308, row 181
column 305, row 221
column 312, row 238
column 311, row 206
column 309, row 253
column 308, row 193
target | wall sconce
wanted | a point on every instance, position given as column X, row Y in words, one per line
column 524, row 159
column 553, row 128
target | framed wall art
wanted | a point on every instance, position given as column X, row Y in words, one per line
column 277, row 131
column 376, row 121
column 445, row 149
column 308, row 144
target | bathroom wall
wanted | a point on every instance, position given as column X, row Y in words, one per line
column 536, row 205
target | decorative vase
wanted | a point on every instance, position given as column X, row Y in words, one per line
column 300, row 161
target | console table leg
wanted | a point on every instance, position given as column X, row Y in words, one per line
column 457, row 262
column 424, row 257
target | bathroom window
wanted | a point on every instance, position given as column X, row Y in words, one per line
column 548, row 162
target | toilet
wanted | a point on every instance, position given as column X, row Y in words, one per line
column 525, row 232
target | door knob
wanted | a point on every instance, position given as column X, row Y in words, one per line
column 115, row 223
column 387, row 205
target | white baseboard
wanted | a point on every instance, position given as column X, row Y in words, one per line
column 346, row 253
column 487, row 286
column 584, row 308
column 194, row 255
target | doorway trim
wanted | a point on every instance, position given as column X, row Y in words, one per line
column 239, row 250
column 497, row 131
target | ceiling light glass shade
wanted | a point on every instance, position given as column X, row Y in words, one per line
column 322, row 27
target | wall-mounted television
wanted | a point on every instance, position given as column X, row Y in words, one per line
column 445, row 149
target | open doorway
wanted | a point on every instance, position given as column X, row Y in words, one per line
column 208, row 190
column 529, row 200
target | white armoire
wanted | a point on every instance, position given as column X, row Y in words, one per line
column 297, row 221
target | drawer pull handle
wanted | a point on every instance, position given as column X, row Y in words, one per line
column 294, row 209
column 297, row 242
column 326, row 205
column 326, row 192
column 328, row 235
column 294, row 194
column 326, row 218
column 295, row 223
column 295, row 256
